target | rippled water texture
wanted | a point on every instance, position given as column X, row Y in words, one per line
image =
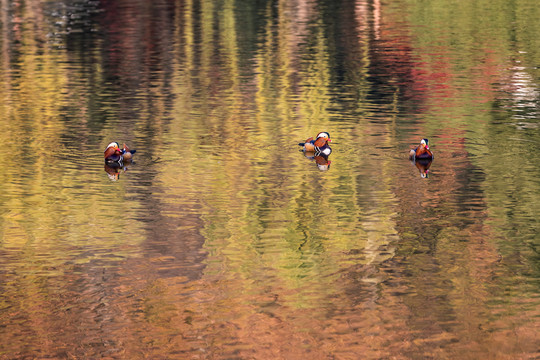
column 223, row 240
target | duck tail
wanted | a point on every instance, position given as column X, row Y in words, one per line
column 309, row 140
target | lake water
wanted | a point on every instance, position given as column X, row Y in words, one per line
column 223, row 240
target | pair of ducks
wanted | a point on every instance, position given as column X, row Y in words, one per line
column 320, row 145
column 421, row 156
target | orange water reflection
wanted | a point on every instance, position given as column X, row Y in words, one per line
column 223, row 241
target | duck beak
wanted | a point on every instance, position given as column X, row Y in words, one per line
column 329, row 140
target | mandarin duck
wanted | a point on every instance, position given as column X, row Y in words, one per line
column 421, row 151
column 319, row 145
column 113, row 153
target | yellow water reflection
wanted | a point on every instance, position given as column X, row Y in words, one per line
column 221, row 239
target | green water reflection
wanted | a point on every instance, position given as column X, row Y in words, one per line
column 223, row 240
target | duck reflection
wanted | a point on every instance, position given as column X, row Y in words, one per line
column 321, row 159
column 423, row 166
column 322, row 162
column 114, row 170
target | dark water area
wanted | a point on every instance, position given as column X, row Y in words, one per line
column 223, row 240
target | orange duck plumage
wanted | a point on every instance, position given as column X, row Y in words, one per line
column 319, row 145
column 422, row 151
column 115, row 154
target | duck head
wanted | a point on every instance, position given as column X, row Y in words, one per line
column 112, row 149
column 425, row 143
column 323, row 134
column 322, row 139
column 114, row 145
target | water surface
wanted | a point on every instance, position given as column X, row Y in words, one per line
column 222, row 240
